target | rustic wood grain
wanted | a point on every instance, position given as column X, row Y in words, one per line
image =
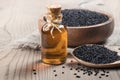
column 19, row 18
column 20, row 65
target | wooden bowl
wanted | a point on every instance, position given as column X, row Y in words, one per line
column 90, row 34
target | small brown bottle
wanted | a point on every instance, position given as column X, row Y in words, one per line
column 54, row 37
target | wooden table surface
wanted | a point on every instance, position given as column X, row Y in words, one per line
column 19, row 18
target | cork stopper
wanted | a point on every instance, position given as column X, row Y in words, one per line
column 54, row 9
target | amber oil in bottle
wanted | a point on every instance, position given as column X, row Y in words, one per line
column 53, row 37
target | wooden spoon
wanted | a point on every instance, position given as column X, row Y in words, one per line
column 108, row 65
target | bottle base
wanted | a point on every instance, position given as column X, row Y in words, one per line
column 53, row 61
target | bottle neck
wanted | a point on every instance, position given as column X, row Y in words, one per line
column 54, row 19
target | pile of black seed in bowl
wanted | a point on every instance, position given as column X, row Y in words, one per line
column 96, row 54
column 80, row 17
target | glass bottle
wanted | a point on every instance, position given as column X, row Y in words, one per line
column 53, row 37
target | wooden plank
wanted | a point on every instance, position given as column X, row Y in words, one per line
column 23, row 64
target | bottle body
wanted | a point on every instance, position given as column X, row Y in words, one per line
column 54, row 44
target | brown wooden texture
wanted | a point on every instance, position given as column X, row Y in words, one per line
column 19, row 18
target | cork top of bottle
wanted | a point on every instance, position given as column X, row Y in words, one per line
column 54, row 9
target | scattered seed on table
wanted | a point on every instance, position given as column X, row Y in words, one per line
column 34, row 70
column 107, row 75
column 75, row 73
column 107, row 72
column 88, row 74
column 81, row 69
column 104, row 71
column 100, row 77
column 91, row 72
column 55, row 75
column 84, row 73
column 63, row 66
column 76, row 69
column 102, row 74
column 54, row 70
column 95, row 74
column 62, row 72
column 35, row 73
column 77, row 76
column 71, row 69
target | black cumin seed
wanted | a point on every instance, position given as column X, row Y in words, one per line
column 102, row 74
column 107, row 72
column 62, row 72
column 107, row 75
column 54, row 70
column 76, row 69
column 77, row 76
column 84, row 70
column 95, row 74
column 75, row 73
column 100, row 77
column 34, row 70
column 70, row 68
column 89, row 74
column 104, row 71
column 35, row 73
column 63, row 66
column 81, row 69
column 55, row 75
